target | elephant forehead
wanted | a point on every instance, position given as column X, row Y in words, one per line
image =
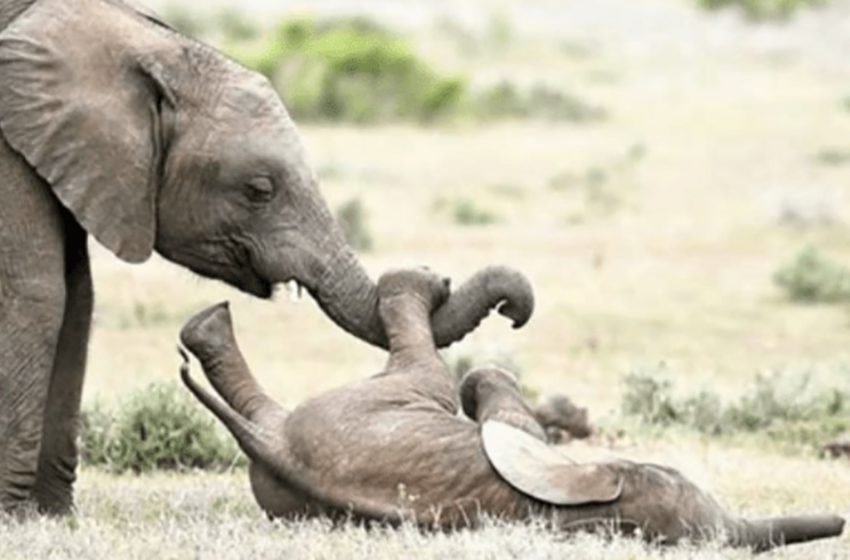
column 250, row 95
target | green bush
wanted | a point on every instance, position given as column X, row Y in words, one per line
column 813, row 278
column 785, row 408
column 505, row 100
column 159, row 427
column 763, row 9
column 833, row 156
column 466, row 212
column 350, row 69
column 353, row 219
column 650, row 399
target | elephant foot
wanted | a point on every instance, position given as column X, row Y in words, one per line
column 54, row 489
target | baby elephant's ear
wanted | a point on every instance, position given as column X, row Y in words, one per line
column 544, row 473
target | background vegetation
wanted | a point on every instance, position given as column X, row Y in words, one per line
column 671, row 178
column 764, row 9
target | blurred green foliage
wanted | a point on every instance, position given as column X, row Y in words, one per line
column 764, row 9
column 785, row 408
column 833, row 156
column 352, row 69
column 504, row 99
column 811, row 277
column 467, row 212
column 158, row 427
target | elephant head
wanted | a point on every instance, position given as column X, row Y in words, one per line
column 154, row 141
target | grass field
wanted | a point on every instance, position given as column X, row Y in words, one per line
column 212, row 516
column 650, row 237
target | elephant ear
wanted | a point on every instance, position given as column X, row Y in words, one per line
column 84, row 111
column 542, row 472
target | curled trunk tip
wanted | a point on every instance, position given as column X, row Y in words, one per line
column 495, row 287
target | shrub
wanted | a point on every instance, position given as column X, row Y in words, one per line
column 833, row 156
column 813, row 278
column 649, row 398
column 466, row 212
column 350, row 69
column 352, row 219
column 763, row 9
column 159, row 427
column 787, row 408
column 354, row 69
column 541, row 101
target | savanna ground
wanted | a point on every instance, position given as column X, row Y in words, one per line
column 651, row 237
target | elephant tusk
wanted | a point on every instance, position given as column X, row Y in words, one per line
column 295, row 291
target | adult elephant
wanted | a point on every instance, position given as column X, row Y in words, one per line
column 115, row 126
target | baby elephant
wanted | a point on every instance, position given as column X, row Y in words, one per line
column 394, row 448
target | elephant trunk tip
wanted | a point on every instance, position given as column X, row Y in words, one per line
column 514, row 291
column 764, row 534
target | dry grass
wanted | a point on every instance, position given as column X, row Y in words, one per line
column 679, row 270
column 209, row 516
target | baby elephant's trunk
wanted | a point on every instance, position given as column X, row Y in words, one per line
column 764, row 534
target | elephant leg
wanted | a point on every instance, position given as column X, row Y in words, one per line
column 32, row 304
column 57, row 461
column 494, row 394
column 29, row 331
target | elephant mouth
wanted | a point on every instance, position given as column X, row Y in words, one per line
column 252, row 284
column 246, row 277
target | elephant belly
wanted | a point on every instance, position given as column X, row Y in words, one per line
column 414, row 457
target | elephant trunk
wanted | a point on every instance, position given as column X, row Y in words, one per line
column 494, row 287
column 764, row 534
column 209, row 336
column 349, row 297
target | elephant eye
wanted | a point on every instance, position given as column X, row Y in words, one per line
column 259, row 190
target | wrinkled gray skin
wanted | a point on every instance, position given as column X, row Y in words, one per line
column 393, row 447
column 115, row 126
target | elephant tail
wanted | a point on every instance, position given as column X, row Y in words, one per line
column 764, row 534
